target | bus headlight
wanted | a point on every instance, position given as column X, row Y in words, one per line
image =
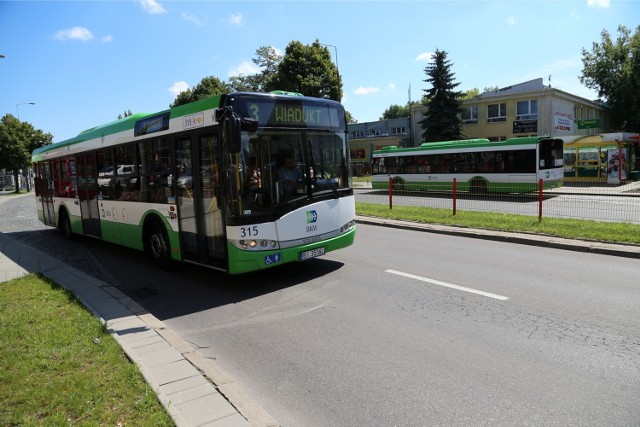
column 348, row 226
column 255, row 245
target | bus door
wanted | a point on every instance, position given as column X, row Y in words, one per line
column 88, row 194
column 199, row 206
column 46, row 193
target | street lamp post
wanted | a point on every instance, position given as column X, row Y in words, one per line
column 336, row 50
column 22, row 103
column 337, row 66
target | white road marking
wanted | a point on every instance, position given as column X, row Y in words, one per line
column 448, row 285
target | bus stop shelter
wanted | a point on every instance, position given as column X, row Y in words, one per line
column 605, row 158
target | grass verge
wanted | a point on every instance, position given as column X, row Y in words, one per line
column 59, row 366
column 611, row 232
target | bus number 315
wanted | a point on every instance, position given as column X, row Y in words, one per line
column 249, row 231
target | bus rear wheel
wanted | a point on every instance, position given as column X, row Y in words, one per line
column 157, row 246
column 65, row 224
column 478, row 186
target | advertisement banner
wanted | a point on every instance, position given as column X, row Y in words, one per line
column 616, row 158
column 563, row 121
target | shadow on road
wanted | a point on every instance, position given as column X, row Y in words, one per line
column 184, row 290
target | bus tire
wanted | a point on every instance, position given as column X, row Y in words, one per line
column 478, row 186
column 64, row 224
column 157, row 245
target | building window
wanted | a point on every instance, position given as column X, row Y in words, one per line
column 527, row 110
column 399, row 131
column 376, row 132
column 470, row 116
column 357, row 134
column 497, row 113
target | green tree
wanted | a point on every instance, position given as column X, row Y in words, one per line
column 208, row 86
column 471, row 93
column 17, row 141
column 350, row 118
column 307, row 69
column 126, row 114
column 442, row 120
column 396, row 112
column 267, row 58
column 613, row 69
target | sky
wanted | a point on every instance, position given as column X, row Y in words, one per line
column 85, row 62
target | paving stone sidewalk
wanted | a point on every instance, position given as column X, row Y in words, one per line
column 166, row 361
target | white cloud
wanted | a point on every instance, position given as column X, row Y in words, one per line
column 391, row 86
column 107, row 39
column 425, row 56
column 236, row 20
column 573, row 14
column 511, row 21
column 366, row 90
column 194, row 19
column 245, row 68
column 75, row 33
column 599, row 4
column 178, row 87
column 152, row 7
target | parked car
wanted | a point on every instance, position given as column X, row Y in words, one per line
column 186, row 180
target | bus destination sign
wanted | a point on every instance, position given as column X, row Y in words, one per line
column 293, row 114
column 152, row 124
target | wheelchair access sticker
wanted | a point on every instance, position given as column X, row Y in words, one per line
column 272, row 259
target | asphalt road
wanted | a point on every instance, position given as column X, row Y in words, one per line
column 404, row 328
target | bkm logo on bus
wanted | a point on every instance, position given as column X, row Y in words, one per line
column 312, row 217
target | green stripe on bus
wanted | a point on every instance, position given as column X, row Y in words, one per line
column 245, row 261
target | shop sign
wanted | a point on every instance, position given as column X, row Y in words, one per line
column 589, row 124
column 525, row 126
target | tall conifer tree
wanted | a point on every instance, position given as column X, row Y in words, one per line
column 442, row 120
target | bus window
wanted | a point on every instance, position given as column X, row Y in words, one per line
column 106, row 170
column 126, row 182
column 155, row 171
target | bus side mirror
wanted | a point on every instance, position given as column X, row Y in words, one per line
column 232, row 134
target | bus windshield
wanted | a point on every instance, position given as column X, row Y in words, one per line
column 551, row 154
column 278, row 168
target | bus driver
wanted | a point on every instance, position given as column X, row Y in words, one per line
column 289, row 174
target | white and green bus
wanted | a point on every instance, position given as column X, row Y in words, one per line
column 478, row 165
column 203, row 182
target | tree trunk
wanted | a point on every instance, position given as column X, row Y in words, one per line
column 16, row 180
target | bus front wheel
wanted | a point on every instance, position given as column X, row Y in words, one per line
column 157, row 245
column 397, row 183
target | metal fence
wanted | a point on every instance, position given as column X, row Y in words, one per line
column 575, row 199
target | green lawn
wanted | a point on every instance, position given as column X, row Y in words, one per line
column 59, row 366
column 560, row 227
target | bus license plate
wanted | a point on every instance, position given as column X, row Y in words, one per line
column 311, row 254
